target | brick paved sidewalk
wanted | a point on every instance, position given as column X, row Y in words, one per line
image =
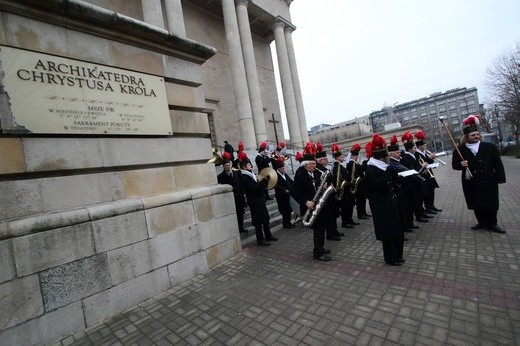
column 457, row 287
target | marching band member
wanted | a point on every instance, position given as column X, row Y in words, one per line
column 361, row 195
column 409, row 160
column 306, row 183
column 231, row 178
column 282, row 192
column 329, row 209
column 382, row 197
column 350, row 198
column 262, row 161
column 254, row 191
column 422, row 155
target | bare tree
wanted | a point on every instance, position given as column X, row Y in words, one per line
column 503, row 81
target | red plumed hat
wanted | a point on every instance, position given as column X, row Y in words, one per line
column 262, row 146
column 356, row 148
column 420, row 136
column 309, row 152
column 471, row 124
column 279, row 162
column 319, row 151
column 298, row 157
column 394, row 144
column 407, row 139
column 336, row 150
column 378, row 146
column 240, row 146
column 242, row 157
column 226, row 157
column 280, row 146
column 368, row 149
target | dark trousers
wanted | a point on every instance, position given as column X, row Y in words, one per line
column 319, row 240
column 347, row 208
column 240, row 219
column 265, row 235
column 429, row 199
column 487, row 218
column 361, row 200
column 393, row 250
column 286, row 218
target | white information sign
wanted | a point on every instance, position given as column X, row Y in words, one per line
column 50, row 94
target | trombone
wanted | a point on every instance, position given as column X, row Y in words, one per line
column 426, row 170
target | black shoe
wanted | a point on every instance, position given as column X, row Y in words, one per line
column 422, row 219
column 289, row 225
column 426, row 216
column 340, row 234
column 347, row 226
column 363, row 217
column 396, row 264
column 401, row 260
column 408, row 230
column 496, row 229
column 478, row 226
column 323, row 258
column 243, row 230
column 352, row 223
column 271, row 238
column 431, row 211
column 436, row 209
column 262, row 243
column 325, row 251
column 269, row 198
column 336, row 238
column 415, row 227
column 406, row 239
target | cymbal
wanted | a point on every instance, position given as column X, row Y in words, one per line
column 268, row 171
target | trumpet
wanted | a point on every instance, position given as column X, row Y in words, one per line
column 429, row 153
column 427, row 170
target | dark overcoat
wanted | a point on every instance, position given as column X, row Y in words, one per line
column 262, row 162
column 254, row 191
column 282, row 193
column 428, row 173
column 238, row 191
column 481, row 192
column 382, row 197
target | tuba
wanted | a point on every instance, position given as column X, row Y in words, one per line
column 319, row 200
column 354, row 182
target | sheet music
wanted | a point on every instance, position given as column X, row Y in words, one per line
column 407, row 173
column 433, row 165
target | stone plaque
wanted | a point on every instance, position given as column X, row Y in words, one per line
column 41, row 93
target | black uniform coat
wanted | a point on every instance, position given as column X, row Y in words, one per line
column 282, row 193
column 481, row 192
column 254, row 191
column 382, row 197
column 262, row 162
column 238, row 191
column 304, row 189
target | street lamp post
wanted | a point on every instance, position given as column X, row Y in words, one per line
column 498, row 126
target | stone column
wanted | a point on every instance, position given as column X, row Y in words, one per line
column 175, row 17
column 238, row 74
column 251, row 71
column 287, row 85
column 152, row 13
column 296, row 83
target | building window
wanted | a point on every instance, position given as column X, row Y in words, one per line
column 423, row 114
column 414, row 116
column 406, row 118
column 442, row 109
column 455, row 121
column 454, row 114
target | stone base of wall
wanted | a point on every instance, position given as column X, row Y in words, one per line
column 66, row 271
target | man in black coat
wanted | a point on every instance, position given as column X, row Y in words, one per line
column 306, row 182
column 382, row 197
column 262, row 161
column 228, row 148
column 423, row 156
column 483, row 161
column 254, row 191
column 231, row 178
column 282, row 192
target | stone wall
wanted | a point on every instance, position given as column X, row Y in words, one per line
column 92, row 224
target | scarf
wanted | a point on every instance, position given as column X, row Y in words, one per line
column 473, row 147
column 377, row 163
column 251, row 174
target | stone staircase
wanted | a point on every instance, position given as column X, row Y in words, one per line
column 275, row 220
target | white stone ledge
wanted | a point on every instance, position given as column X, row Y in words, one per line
column 43, row 222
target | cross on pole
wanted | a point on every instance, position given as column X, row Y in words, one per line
column 274, row 124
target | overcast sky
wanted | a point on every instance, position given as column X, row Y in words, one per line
column 355, row 57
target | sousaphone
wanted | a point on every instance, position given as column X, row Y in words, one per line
column 268, row 171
